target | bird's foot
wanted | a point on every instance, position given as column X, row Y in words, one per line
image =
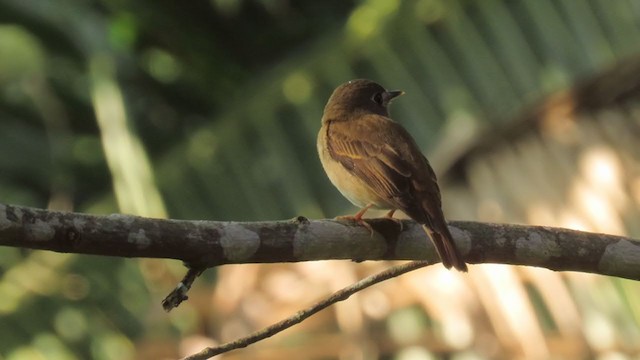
column 358, row 218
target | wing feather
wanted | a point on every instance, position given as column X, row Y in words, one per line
column 373, row 159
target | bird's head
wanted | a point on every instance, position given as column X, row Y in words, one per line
column 359, row 96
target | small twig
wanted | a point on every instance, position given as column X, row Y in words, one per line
column 179, row 294
column 301, row 315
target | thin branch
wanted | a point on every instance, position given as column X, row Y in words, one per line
column 301, row 315
column 179, row 294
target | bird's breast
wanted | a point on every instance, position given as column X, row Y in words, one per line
column 349, row 185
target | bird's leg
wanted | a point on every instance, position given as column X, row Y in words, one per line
column 358, row 218
column 360, row 214
column 397, row 221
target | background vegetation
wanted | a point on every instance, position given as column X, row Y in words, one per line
column 210, row 109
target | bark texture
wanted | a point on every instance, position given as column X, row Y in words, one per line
column 209, row 243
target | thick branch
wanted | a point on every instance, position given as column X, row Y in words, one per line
column 209, row 243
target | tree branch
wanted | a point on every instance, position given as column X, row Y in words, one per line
column 203, row 244
column 301, row 315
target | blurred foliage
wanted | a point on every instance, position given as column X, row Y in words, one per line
column 210, row 109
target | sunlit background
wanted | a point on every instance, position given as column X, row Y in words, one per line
column 528, row 109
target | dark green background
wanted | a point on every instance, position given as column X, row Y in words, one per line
column 222, row 101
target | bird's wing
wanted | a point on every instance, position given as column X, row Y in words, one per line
column 379, row 158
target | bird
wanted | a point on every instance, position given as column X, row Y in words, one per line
column 375, row 163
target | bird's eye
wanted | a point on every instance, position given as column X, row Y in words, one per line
column 377, row 98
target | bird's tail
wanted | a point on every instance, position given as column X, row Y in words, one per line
column 446, row 248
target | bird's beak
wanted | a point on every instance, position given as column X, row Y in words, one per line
column 390, row 95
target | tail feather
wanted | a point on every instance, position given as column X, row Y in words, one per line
column 446, row 248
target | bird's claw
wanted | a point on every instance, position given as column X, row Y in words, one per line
column 357, row 219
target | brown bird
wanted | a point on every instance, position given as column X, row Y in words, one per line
column 375, row 163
